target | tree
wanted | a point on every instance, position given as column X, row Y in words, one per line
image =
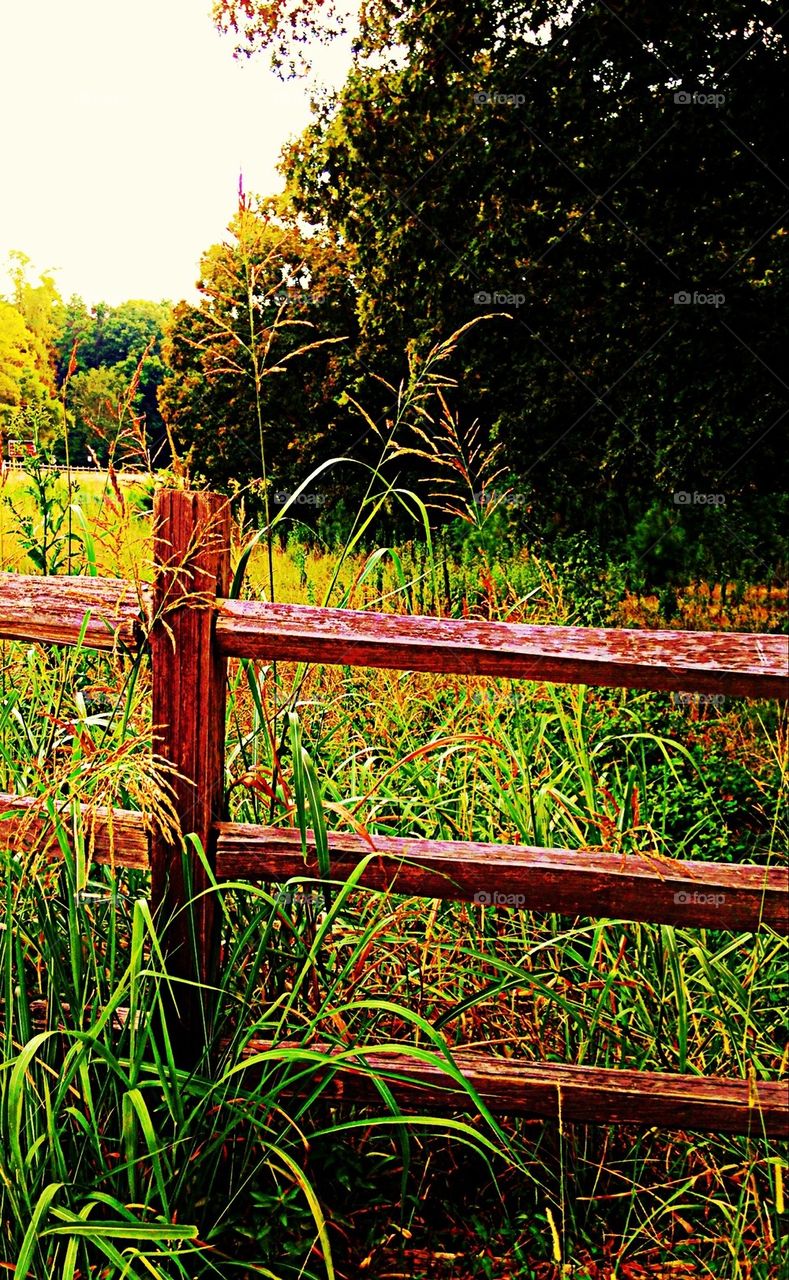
column 583, row 169
column 22, row 384
column 108, row 349
column 28, row 394
column 38, row 305
column 284, row 27
column 97, row 403
column 256, row 370
column 131, row 337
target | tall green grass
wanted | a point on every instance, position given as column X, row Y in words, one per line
column 115, row 1162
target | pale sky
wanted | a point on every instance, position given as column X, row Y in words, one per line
column 123, row 126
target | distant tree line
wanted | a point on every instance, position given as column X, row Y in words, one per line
column 110, row 359
column 82, row 380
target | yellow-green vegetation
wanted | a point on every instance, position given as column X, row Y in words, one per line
column 113, row 1163
column 110, row 512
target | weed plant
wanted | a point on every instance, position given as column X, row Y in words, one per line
column 115, row 1162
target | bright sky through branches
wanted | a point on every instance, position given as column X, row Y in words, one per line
column 124, row 127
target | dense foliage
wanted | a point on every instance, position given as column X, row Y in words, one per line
column 610, row 181
column 112, row 360
column 82, row 379
column 27, row 366
column 255, row 368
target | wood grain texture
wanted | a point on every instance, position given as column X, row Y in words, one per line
column 116, row 836
column 585, row 1095
column 53, row 610
column 722, row 662
column 582, row 1094
column 192, row 555
column 571, row 882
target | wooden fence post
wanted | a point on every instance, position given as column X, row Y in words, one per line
column 192, row 557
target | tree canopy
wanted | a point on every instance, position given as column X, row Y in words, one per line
column 103, row 352
column 22, row 381
column 76, row 375
column 255, row 367
column 611, row 180
column 28, row 394
column 283, row 27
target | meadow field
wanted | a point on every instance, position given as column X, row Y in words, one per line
column 115, row 1163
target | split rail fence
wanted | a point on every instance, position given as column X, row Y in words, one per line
column 192, row 629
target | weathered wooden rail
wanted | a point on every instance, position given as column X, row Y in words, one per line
column 740, row 665
column 192, row 629
column 572, row 882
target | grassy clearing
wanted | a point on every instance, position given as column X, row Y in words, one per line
column 116, row 521
column 114, row 1163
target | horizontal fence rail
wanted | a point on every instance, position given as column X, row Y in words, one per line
column 192, row 629
column 585, row 1094
column 114, row 836
column 53, row 610
column 573, row 882
column 738, row 664
column 101, row 612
